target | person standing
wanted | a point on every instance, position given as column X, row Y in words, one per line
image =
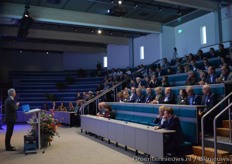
column 11, row 117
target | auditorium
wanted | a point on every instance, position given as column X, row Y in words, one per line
column 116, row 81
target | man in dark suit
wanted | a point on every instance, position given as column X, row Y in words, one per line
column 11, row 117
column 208, row 99
column 226, row 75
column 140, row 96
column 212, row 76
column 149, row 96
column 172, row 122
column 155, row 82
column 192, row 98
column 133, row 95
column 168, row 98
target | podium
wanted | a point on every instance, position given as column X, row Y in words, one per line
column 37, row 114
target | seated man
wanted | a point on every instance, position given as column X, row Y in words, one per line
column 192, row 98
column 168, row 98
column 62, row 107
column 133, row 96
column 154, row 82
column 172, row 122
column 140, row 96
column 226, row 75
column 212, row 76
column 150, row 97
column 191, row 80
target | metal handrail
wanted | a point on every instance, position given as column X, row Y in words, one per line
column 106, row 91
column 202, row 123
column 215, row 130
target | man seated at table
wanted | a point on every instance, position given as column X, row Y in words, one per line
column 168, row 98
column 105, row 111
column 140, row 96
column 172, row 122
column 133, row 95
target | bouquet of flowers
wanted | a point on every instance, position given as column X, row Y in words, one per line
column 49, row 125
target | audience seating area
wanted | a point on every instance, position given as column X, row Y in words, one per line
column 34, row 87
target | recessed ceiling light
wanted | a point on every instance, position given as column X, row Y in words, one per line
column 99, row 31
column 92, row 31
column 21, row 51
column 120, row 2
column 108, row 11
column 47, row 53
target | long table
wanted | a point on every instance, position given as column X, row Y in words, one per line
column 139, row 137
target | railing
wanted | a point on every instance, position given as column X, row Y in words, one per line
column 202, row 123
column 215, row 128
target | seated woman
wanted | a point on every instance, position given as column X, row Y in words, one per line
column 126, row 94
column 108, row 112
column 182, row 99
column 159, row 95
column 159, row 119
column 62, row 107
column 120, row 97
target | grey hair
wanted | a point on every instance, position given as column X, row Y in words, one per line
column 11, row 91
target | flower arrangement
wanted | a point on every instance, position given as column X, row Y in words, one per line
column 49, row 125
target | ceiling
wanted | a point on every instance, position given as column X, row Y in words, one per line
column 168, row 13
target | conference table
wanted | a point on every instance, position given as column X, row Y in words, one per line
column 139, row 137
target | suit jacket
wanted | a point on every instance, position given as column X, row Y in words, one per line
column 209, row 100
column 170, row 99
column 140, row 99
column 214, row 77
column 227, row 77
column 156, row 84
column 196, row 100
column 133, row 98
column 149, row 98
column 10, row 110
column 173, row 123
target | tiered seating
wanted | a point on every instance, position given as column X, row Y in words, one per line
column 31, row 87
column 224, row 130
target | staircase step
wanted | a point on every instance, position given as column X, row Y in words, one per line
column 194, row 159
column 223, row 132
column 225, row 123
column 209, row 152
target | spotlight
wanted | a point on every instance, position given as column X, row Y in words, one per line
column 99, row 31
column 112, row 1
column 136, row 5
column 108, row 11
column 120, row 2
column 26, row 13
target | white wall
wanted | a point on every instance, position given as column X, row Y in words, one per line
column 227, row 23
column 118, row 56
column 152, row 49
column 72, row 61
column 168, row 42
column 189, row 40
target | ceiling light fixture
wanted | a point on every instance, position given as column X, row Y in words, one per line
column 120, row 2
column 99, row 31
column 136, row 5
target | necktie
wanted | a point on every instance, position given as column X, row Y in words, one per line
column 206, row 100
column 191, row 100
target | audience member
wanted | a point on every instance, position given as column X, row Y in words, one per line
column 208, row 99
column 128, row 71
column 226, row 75
column 212, row 76
column 222, row 51
column 101, row 109
column 192, row 98
column 169, row 71
column 165, row 63
column 165, row 82
column 191, row 80
column 53, row 106
column 168, row 98
column 186, row 68
column 70, row 107
column 147, row 81
column 159, row 120
column 230, row 59
column 108, row 112
column 212, row 53
column 224, row 61
column 140, row 96
column 180, row 69
column 193, row 66
column 159, row 72
column 159, row 95
column 202, row 79
column 200, row 55
column 155, row 82
column 133, row 96
column 126, row 95
column 45, row 107
column 120, row 97
column 182, row 99
column 150, row 97
column 133, row 83
column 62, row 107
column 151, row 71
column 172, row 122
column 79, row 97
column 205, row 65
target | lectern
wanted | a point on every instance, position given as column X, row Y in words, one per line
column 37, row 114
